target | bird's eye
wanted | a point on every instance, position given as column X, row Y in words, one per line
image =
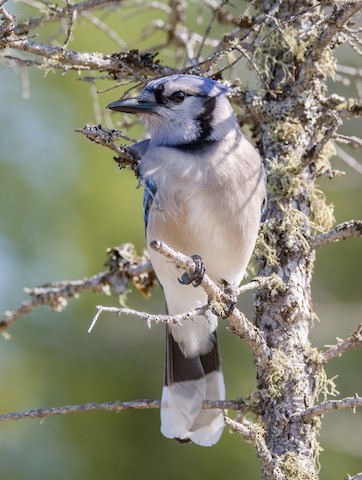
column 178, row 97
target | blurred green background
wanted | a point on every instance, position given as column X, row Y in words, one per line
column 63, row 201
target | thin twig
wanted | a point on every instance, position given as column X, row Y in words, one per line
column 149, row 317
column 355, row 477
column 351, row 343
column 350, row 229
column 348, row 159
column 353, row 142
column 208, row 30
column 56, row 13
column 114, row 407
column 105, row 29
column 327, row 406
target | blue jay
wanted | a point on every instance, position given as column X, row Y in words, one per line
column 204, row 189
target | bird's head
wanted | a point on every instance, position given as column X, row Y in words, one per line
column 181, row 110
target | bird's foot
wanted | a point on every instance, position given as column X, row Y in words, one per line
column 196, row 277
column 224, row 306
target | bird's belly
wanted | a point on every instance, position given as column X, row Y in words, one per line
column 202, row 233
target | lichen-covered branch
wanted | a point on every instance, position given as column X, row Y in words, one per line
column 124, row 265
column 352, row 228
column 332, row 25
column 107, row 137
column 114, row 64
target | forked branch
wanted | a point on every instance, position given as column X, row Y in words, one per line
column 124, row 266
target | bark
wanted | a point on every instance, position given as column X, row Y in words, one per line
column 292, row 129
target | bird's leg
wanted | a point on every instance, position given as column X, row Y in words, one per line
column 196, row 277
column 224, row 306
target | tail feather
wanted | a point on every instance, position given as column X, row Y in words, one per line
column 188, row 382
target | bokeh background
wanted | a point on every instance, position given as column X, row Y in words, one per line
column 63, row 201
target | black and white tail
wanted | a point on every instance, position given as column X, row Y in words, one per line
column 188, row 382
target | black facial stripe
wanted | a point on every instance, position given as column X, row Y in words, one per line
column 205, row 118
column 158, row 92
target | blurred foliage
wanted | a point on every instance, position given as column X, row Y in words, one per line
column 63, row 202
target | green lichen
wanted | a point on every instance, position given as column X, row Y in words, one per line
column 291, row 467
column 294, row 222
column 297, row 46
column 266, row 245
column 278, row 373
column 327, row 64
column 283, row 180
column 271, row 55
column 321, row 214
column 288, row 130
column 322, row 163
column 324, row 387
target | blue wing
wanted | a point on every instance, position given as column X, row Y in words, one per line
column 148, row 197
column 139, row 149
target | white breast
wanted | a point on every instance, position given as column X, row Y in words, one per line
column 209, row 205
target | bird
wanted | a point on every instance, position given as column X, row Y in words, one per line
column 204, row 190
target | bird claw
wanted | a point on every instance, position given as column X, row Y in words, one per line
column 196, row 277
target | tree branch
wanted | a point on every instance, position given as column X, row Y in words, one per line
column 355, row 477
column 352, row 228
column 351, row 141
column 348, row 159
column 351, row 343
column 8, row 20
column 240, row 324
column 332, row 26
column 132, row 63
column 255, row 435
column 56, row 13
column 125, row 63
column 149, row 317
column 124, row 266
column 324, row 407
column 114, row 407
column 107, row 137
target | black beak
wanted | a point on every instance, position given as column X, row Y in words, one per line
column 132, row 105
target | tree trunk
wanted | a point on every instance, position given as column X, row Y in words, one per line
column 293, row 126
